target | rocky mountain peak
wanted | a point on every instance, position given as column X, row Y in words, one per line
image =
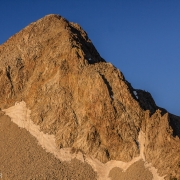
column 85, row 102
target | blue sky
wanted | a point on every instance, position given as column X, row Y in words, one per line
column 141, row 38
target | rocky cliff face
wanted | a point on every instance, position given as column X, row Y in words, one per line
column 85, row 102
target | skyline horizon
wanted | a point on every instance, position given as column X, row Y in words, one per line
column 140, row 39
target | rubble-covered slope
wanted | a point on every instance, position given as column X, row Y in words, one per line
column 85, row 102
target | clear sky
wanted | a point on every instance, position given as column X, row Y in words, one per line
column 139, row 37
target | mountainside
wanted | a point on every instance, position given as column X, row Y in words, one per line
column 85, row 102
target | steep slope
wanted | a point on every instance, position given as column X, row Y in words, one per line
column 85, row 102
column 24, row 159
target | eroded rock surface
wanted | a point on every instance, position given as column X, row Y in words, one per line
column 85, row 102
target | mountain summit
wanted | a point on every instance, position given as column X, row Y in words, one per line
column 85, row 102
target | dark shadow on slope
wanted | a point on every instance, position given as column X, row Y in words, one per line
column 108, row 85
column 91, row 54
column 147, row 103
column 174, row 122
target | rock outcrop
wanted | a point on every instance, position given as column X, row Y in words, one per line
column 85, row 102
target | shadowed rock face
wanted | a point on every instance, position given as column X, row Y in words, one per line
column 85, row 102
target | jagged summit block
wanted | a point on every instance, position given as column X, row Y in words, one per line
column 85, row 102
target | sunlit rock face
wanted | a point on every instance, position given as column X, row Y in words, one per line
column 85, row 102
